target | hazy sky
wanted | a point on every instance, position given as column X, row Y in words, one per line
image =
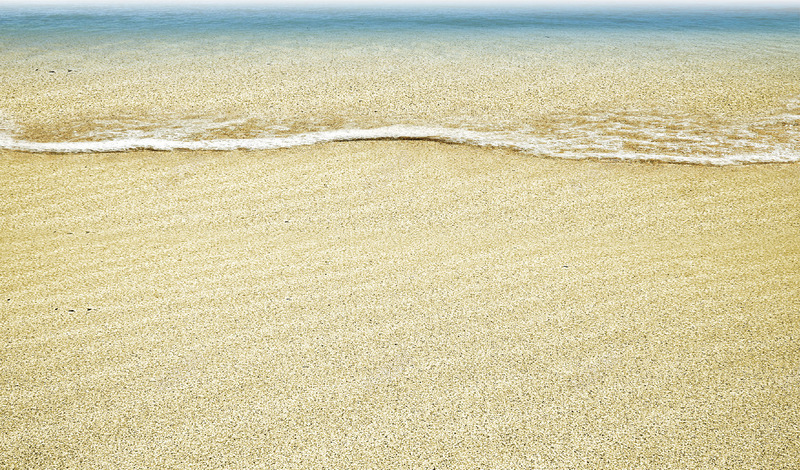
column 713, row 3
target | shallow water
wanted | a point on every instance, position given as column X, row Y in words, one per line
column 703, row 86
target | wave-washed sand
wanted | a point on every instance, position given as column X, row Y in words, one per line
column 675, row 99
column 396, row 305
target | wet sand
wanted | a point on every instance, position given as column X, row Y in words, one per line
column 640, row 98
column 396, row 305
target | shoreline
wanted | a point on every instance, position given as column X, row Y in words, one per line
column 529, row 147
column 374, row 303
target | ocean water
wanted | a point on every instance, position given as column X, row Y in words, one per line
column 681, row 85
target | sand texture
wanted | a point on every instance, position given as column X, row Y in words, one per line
column 379, row 305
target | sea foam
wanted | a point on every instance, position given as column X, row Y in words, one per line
column 516, row 141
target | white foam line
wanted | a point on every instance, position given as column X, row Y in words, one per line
column 515, row 141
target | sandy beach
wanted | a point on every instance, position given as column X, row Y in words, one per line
column 396, row 304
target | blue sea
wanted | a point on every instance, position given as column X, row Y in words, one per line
column 708, row 86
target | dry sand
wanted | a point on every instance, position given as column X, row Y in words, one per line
column 396, row 305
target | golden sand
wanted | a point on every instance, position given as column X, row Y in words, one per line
column 396, row 305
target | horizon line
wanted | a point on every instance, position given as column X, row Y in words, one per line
column 551, row 4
